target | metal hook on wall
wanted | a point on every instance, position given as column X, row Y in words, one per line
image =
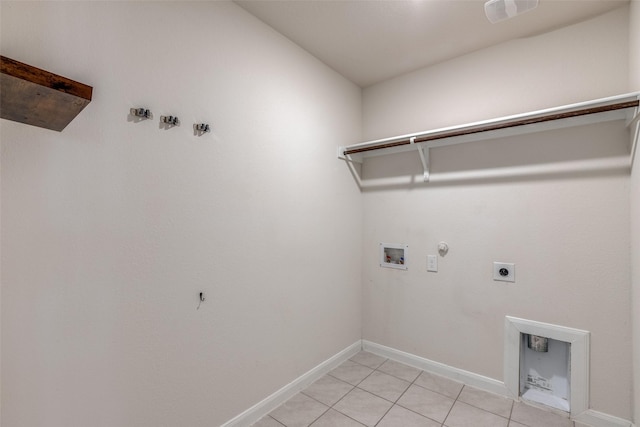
column 202, row 299
column 170, row 120
column 142, row 113
column 201, row 128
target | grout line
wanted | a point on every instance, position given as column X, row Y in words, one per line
column 451, row 409
column 355, row 361
column 348, row 417
column 330, row 406
column 332, row 377
column 385, row 414
column 276, row 420
column 328, row 409
column 459, row 393
column 395, row 376
column 345, row 395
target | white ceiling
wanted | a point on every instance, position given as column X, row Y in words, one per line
column 370, row 41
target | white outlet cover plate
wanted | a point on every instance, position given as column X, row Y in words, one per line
column 432, row 263
column 504, row 271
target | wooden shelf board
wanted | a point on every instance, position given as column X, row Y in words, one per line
column 37, row 97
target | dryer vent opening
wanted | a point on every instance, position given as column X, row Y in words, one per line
column 545, row 371
column 547, row 364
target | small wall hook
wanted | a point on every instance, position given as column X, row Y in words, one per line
column 170, row 120
column 202, row 128
column 202, row 299
column 141, row 112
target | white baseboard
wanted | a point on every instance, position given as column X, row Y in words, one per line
column 599, row 419
column 270, row 403
column 466, row 377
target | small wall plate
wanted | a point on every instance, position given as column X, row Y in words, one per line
column 504, row 271
column 432, row 263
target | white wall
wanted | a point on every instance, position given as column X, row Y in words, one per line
column 567, row 231
column 111, row 228
column 514, row 77
column 634, row 45
column 634, row 85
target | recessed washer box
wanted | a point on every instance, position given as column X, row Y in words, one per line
column 504, row 271
column 394, row 255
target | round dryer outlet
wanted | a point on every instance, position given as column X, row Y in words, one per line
column 504, row 271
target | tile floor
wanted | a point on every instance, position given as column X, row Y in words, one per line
column 369, row 390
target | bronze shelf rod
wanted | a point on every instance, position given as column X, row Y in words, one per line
column 499, row 126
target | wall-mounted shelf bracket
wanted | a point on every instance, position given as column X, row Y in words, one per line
column 424, row 157
column 354, row 158
column 634, row 128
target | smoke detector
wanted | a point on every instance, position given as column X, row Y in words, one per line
column 500, row 10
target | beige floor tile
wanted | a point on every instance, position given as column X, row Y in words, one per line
column 363, row 407
column 463, row 415
column 369, row 359
column 535, row 417
column 439, row 384
column 333, row 418
column 384, row 385
column 355, row 395
column 426, row 402
column 351, row 372
column 267, row 422
column 328, row 390
column 401, row 417
column 400, row 370
column 494, row 403
column 299, row 411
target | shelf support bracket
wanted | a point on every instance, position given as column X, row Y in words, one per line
column 635, row 135
column 634, row 117
column 424, row 157
column 348, row 157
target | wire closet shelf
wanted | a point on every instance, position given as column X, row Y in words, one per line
column 621, row 107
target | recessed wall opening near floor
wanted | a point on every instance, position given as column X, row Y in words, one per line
column 547, row 364
column 545, row 367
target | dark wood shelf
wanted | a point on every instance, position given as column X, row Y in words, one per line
column 39, row 98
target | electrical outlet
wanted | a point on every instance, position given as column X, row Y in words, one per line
column 504, row 271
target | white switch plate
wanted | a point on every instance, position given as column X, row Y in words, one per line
column 432, row 263
column 504, row 271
